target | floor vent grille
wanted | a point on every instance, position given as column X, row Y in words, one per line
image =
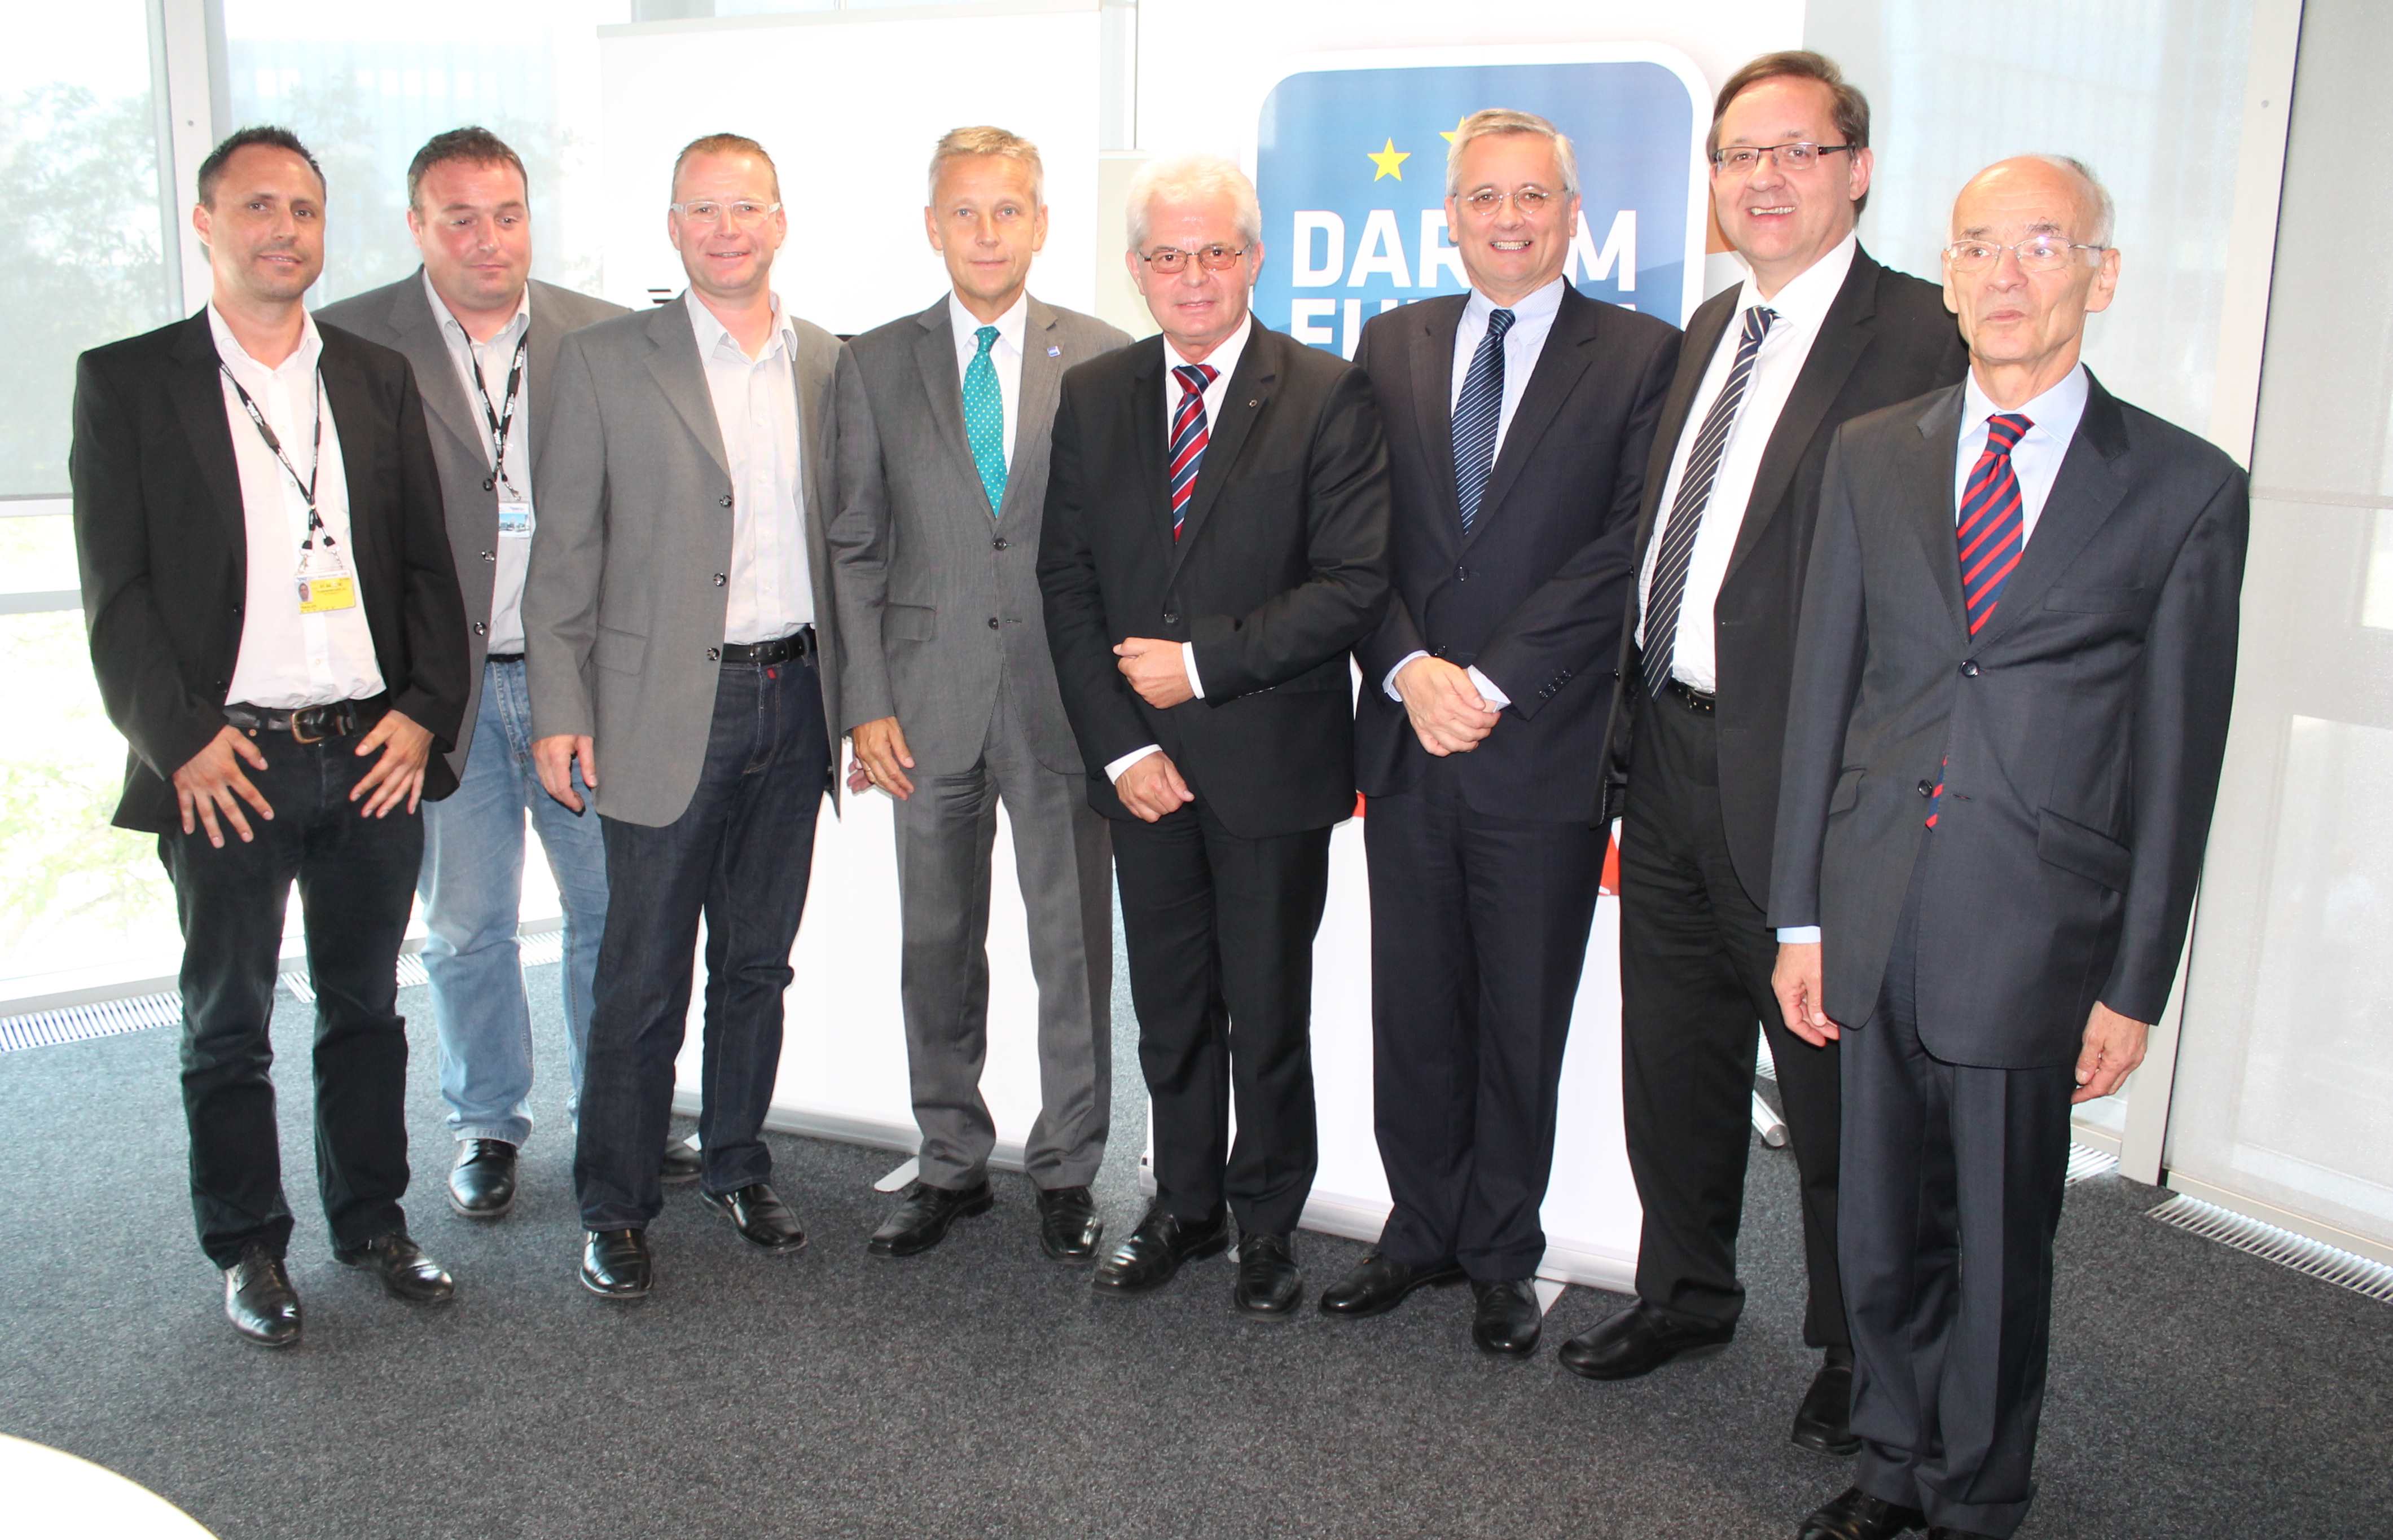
column 2086, row 1162
column 2316, row 1258
column 72, row 1024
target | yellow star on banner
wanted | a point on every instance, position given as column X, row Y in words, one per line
column 1390, row 161
column 1458, row 128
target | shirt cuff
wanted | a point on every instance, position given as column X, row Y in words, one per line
column 1114, row 771
column 1798, row 936
column 1389, row 684
column 1188, row 661
column 1487, row 690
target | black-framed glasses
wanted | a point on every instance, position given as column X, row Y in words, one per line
column 1794, row 156
column 2037, row 254
column 1213, row 258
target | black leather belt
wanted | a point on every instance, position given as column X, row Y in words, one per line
column 1692, row 698
column 780, row 649
column 310, row 724
column 502, row 657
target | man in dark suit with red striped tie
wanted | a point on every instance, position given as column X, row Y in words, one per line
column 2010, row 707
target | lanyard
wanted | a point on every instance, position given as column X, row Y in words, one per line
column 315, row 457
column 502, row 418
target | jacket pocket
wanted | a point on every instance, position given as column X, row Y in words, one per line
column 908, row 623
column 1848, row 792
column 619, row 651
column 2066, row 843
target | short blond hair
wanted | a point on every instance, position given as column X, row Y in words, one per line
column 957, row 144
column 725, row 144
column 1505, row 120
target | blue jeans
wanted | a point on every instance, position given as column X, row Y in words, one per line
column 739, row 856
column 472, row 886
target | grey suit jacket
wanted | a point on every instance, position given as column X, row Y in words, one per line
column 2078, row 735
column 921, row 563
column 399, row 316
column 623, row 612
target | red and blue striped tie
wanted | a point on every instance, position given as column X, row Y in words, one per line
column 1188, row 438
column 1991, row 533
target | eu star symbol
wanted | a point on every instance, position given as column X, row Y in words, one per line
column 1458, row 128
column 1390, row 161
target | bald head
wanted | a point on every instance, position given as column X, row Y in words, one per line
column 2050, row 182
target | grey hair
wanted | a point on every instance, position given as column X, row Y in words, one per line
column 1504, row 120
column 957, row 144
column 1185, row 178
column 2097, row 195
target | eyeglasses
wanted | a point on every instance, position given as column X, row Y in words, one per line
column 742, row 212
column 1488, row 202
column 2037, row 254
column 1214, row 258
column 1794, row 156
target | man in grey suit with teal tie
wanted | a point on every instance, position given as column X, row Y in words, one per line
column 949, row 690
column 683, row 657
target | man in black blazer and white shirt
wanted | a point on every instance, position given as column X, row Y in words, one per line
column 1816, row 335
column 1519, row 418
column 2009, row 709
column 275, row 624
column 1215, row 541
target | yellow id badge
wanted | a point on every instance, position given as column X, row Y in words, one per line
column 319, row 595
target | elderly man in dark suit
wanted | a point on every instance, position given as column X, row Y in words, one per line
column 2009, row 707
column 1215, row 541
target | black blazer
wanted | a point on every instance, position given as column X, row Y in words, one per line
column 2079, row 733
column 1281, row 568
column 162, row 547
column 1534, row 597
column 1887, row 337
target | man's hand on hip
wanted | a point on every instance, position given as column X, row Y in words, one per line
column 406, row 749
column 553, row 757
column 2114, row 1046
column 210, row 782
column 1795, row 981
column 1152, row 787
column 1448, row 710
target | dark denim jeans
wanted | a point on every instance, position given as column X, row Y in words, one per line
column 739, row 856
column 356, row 877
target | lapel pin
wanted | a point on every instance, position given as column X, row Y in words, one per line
column 1054, row 351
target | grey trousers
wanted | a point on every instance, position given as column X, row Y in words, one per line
column 1064, row 860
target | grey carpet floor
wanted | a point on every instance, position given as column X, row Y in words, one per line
column 980, row 1390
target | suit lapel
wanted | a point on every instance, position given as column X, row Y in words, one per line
column 1433, row 404
column 1042, row 382
column 2090, row 486
column 675, row 362
column 418, row 331
column 934, row 360
column 1930, row 510
column 199, row 401
column 1247, row 397
column 347, row 397
column 540, row 366
column 1563, row 358
column 1703, row 331
column 1148, row 443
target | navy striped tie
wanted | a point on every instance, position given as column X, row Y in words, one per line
column 1188, row 438
column 1991, row 529
column 1476, row 416
column 1668, row 588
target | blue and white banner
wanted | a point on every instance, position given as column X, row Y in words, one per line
column 1350, row 166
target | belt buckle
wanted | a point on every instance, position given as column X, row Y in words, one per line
column 327, row 717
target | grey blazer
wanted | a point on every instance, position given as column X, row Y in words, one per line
column 399, row 315
column 623, row 612
column 921, row 563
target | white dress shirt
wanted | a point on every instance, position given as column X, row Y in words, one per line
column 2036, row 460
column 1224, row 360
column 1532, row 319
column 288, row 659
column 1004, row 354
column 756, row 411
column 490, row 362
column 1802, row 305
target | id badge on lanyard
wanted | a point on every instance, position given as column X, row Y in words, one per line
column 325, row 581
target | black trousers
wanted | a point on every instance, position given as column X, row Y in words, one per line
column 1478, row 928
column 1695, row 958
column 1220, row 932
column 357, row 879
column 1953, row 1178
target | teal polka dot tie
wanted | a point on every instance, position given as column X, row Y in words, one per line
column 985, row 420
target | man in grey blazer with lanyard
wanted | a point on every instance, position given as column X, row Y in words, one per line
column 681, row 640
column 482, row 337
column 949, row 690
column 2003, row 744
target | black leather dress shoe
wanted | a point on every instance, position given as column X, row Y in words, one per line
column 1853, row 1514
column 1637, row 1341
column 682, row 1162
column 482, row 1183
column 761, row 1219
column 1507, row 1321
column 1379, row 1284
column 406, row 1272
column 259, row 1300
column 1068, row 1226
column 1269, row 1281
column 1155, row 1250
column 920, row 1219
column 1825, row 1420
column 1942, row 1532
column 616, row 1264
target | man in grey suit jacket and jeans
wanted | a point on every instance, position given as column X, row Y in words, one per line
column 949, row 690
column 482, row 337
column 683, row 653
